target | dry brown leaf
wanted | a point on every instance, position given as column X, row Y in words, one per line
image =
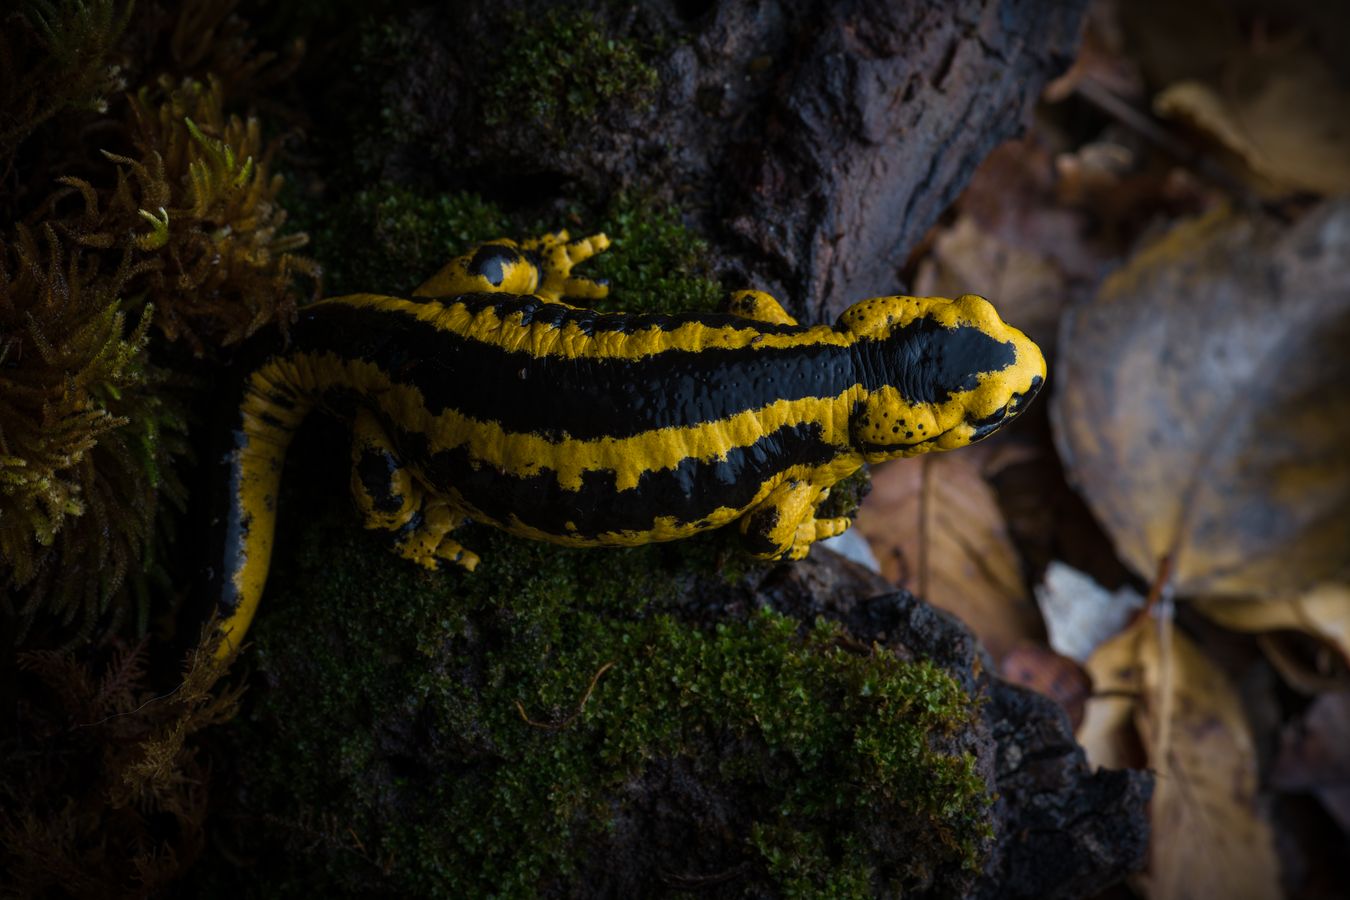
column 1283, row 116
column 935, row 526
column 1208, row 837
column 1026, row 285
column 1315, row 752
column 1171, row 41
column 1202, row 405
column 1043, row 670
column 1313, row 756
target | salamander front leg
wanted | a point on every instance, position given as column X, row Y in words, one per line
column 541, row 266
column 784, row 524
column 556, row 255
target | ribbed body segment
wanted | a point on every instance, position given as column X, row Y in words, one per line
column 568, row 424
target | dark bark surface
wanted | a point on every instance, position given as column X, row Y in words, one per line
column 817, row 141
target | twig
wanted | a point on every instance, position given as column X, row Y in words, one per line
column 559, row 726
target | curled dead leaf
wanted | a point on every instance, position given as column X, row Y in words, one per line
column 1283, row 116
column 1027, row 286
column 1154, row 686
column 935, row 526
column 1323, row 614
column 1203, row 407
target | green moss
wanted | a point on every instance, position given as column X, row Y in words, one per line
column 559, row 69
column 656, row 263
column 473, row 745
column 390, row 238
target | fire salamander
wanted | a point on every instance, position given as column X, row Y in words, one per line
column 485, row 397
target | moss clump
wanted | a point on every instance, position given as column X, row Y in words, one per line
column 441, row 742
column 196, row 207
column 655, row 264
column 102, row 793
column 404, row 236
column 559, row 69
column 53, row 57
column 87, row 439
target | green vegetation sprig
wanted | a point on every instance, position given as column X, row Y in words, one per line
column 198, row 206
column 54, row 56
column 85, row 439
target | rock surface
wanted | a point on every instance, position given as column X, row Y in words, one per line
column 1061, row 829
column 818, row 141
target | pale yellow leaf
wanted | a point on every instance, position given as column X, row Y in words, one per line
column 1209, row 839
column 1107, row 732
column 1283, row 115
column 1027, row 286
column 1322, row 613
column 935, row 526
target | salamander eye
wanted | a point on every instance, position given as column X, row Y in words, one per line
column 493, row 261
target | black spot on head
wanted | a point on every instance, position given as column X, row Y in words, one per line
column 491, row 261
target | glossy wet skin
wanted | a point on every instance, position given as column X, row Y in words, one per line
column 485, row 398
column 940, row 374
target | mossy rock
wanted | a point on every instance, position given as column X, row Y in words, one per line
column 571, row 722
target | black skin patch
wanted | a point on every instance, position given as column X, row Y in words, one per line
column 756, row 536
column 927, row 362
column 491, row 262
column 376, row 472
column 580, row 398
column 689, row 492
column 237, row 525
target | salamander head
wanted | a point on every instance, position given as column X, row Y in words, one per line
column 937, row 374
column 500, row 265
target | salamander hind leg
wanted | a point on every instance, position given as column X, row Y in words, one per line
column 426, row 539
column 784, row 524
column 757, row 306
column 382, row 486
column 390, row 499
